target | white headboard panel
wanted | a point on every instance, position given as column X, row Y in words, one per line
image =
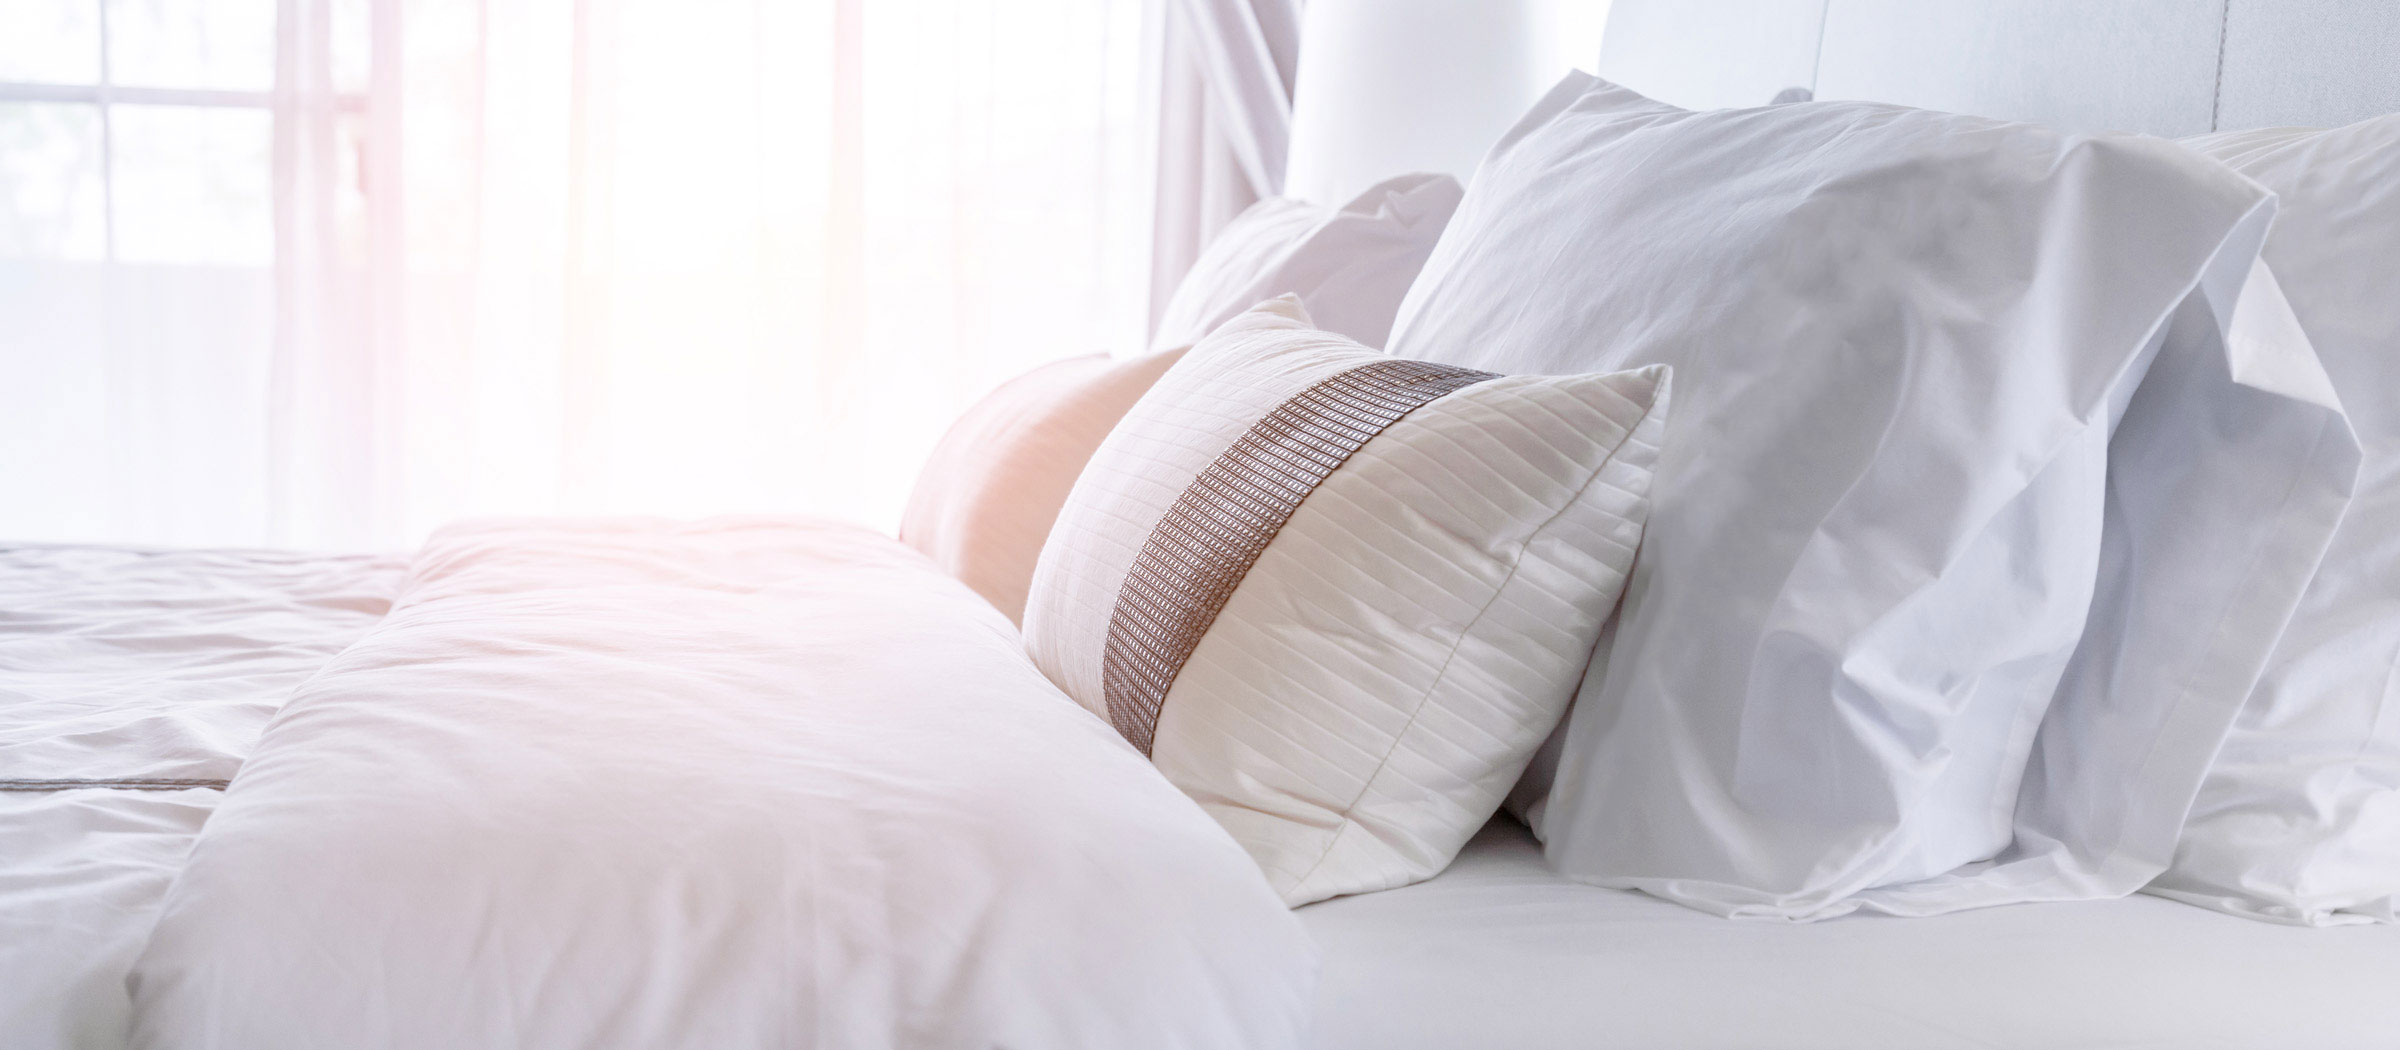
column 2092, row 65
column 2168, row 67
column 1392, row 86
column 1387, row 86
column 1712, row 54
column 2327, row 62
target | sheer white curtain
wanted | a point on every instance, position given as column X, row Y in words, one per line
column 1224, row 113
column 332, row 272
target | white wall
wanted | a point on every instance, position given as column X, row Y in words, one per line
column 2167, row 67
column 1393, row 86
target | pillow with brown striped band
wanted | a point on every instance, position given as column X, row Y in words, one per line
column 1339, row 598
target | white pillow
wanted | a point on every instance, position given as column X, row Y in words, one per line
column 1904, row 342
column 1349, row 267
column 741, row 784
column 1338, row 597
column 2299, row 820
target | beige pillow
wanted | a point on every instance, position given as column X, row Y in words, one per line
column 984, row 502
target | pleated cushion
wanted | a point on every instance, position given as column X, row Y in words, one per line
column 1338, row 597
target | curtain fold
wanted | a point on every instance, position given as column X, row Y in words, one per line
column 1223, row 104
column 1248, row 52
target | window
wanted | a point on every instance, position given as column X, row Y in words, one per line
column 146, row 131
column 294, row 272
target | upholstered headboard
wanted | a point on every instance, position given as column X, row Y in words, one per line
column 1392, row 85
column 2167, row 67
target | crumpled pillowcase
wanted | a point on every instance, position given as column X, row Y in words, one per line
column 2299, row 818
column 1339, row 597
column 1981, row 504
column 1349, row 266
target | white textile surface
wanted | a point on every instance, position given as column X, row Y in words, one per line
column 1408, row 631
column 120, row 664
column 1223, row 121
column 1978, row 480
column 1499, row 951
column 742, row 783
column 2299, row 819
column 128, row 663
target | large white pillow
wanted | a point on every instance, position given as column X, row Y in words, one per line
column 1350, row 266
column 2299, row 820
column 1338, row 597
column 745, row 784
column 1889, row 513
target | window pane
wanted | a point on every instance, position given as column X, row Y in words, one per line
column 51, row 204
column 50, row 41
column 192, row 185
column 350, row 232
column 352, row 32
column 223, row 44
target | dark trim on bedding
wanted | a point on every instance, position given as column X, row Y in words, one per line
column 127, row 783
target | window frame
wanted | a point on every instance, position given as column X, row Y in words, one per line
column 105, row 94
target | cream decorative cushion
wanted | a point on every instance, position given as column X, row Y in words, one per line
column 984, row 501
column 1339, row 597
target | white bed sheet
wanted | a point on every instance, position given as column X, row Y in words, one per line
column 125, row 665
column 1499, row 951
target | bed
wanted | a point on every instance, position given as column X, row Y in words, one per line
column 136, row 684
column 125, row 768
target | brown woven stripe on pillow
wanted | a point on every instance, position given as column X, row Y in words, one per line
column 1208, row 539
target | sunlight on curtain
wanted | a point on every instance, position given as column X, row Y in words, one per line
column 331, row 272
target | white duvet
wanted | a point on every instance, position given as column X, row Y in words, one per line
column 744, row 784
column 132, row 683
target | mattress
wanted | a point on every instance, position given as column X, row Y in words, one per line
column 132, row 683
column 1499, row 951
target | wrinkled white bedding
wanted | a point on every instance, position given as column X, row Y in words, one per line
column 120, row 665
column 114, row 661
column 165, row 664
column 738, row 784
